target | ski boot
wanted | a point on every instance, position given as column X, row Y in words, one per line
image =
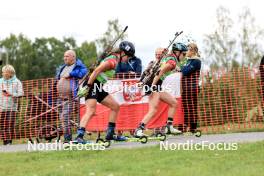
column 169, row 129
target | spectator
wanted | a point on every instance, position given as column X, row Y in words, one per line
column 158, row 54
column 67, row 86
column 190, row 86
column 129, row 65
column 10, row 90
column 261, row 70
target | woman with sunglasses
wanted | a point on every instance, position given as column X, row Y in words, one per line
column 190, row 86
column 93, row 93
column 168, row 64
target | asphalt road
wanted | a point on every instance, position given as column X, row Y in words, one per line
column 213, row 138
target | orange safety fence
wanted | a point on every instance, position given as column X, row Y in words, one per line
column 225, row 101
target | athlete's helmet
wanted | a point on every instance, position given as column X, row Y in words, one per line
column 127, row 47
column 179, row 47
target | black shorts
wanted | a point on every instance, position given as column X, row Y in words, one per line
column 97, row 92
column 157, row 88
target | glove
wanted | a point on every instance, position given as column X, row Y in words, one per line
column 83, row 91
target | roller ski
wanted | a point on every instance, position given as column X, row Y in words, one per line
column 171, row 131
column 79, row 140
column 157, row 137
column 111, row 137
column 116, row 139
column 168, row 129
column 81, row 144
column 196, row 133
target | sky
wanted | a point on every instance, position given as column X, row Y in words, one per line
column 151, row 23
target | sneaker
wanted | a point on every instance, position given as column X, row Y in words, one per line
column 119, row 138
column 67, row 138
column 113, row 136
column 139, row 133
column 67, row 141
column 169, row 129
column 7, row 142
column 109, row 134
column 79, row 140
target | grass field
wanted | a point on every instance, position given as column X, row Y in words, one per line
column 247, row 160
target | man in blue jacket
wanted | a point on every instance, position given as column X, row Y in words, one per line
column 129, row 64
column 67, row 77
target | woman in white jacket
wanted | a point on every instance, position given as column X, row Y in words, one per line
column 10, row 90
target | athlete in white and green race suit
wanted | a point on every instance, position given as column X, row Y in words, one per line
column 167, row 64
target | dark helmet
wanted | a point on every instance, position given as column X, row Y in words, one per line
column 179, row 47
column 127, row 47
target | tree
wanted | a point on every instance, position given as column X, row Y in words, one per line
column 20, row 54
column 41, row 58
column 87, row 52
column 48, row 55
column 113, row 30
column 250, row 37
column 221, row 45
column 228, row 49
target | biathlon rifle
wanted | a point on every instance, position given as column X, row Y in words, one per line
column 152, row 70
column 105, row 53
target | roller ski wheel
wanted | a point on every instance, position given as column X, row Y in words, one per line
column 198, row 133
column 158, row 137
column 143, row 139
column 161, row 136
column 105, row 143
column 47, row 133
